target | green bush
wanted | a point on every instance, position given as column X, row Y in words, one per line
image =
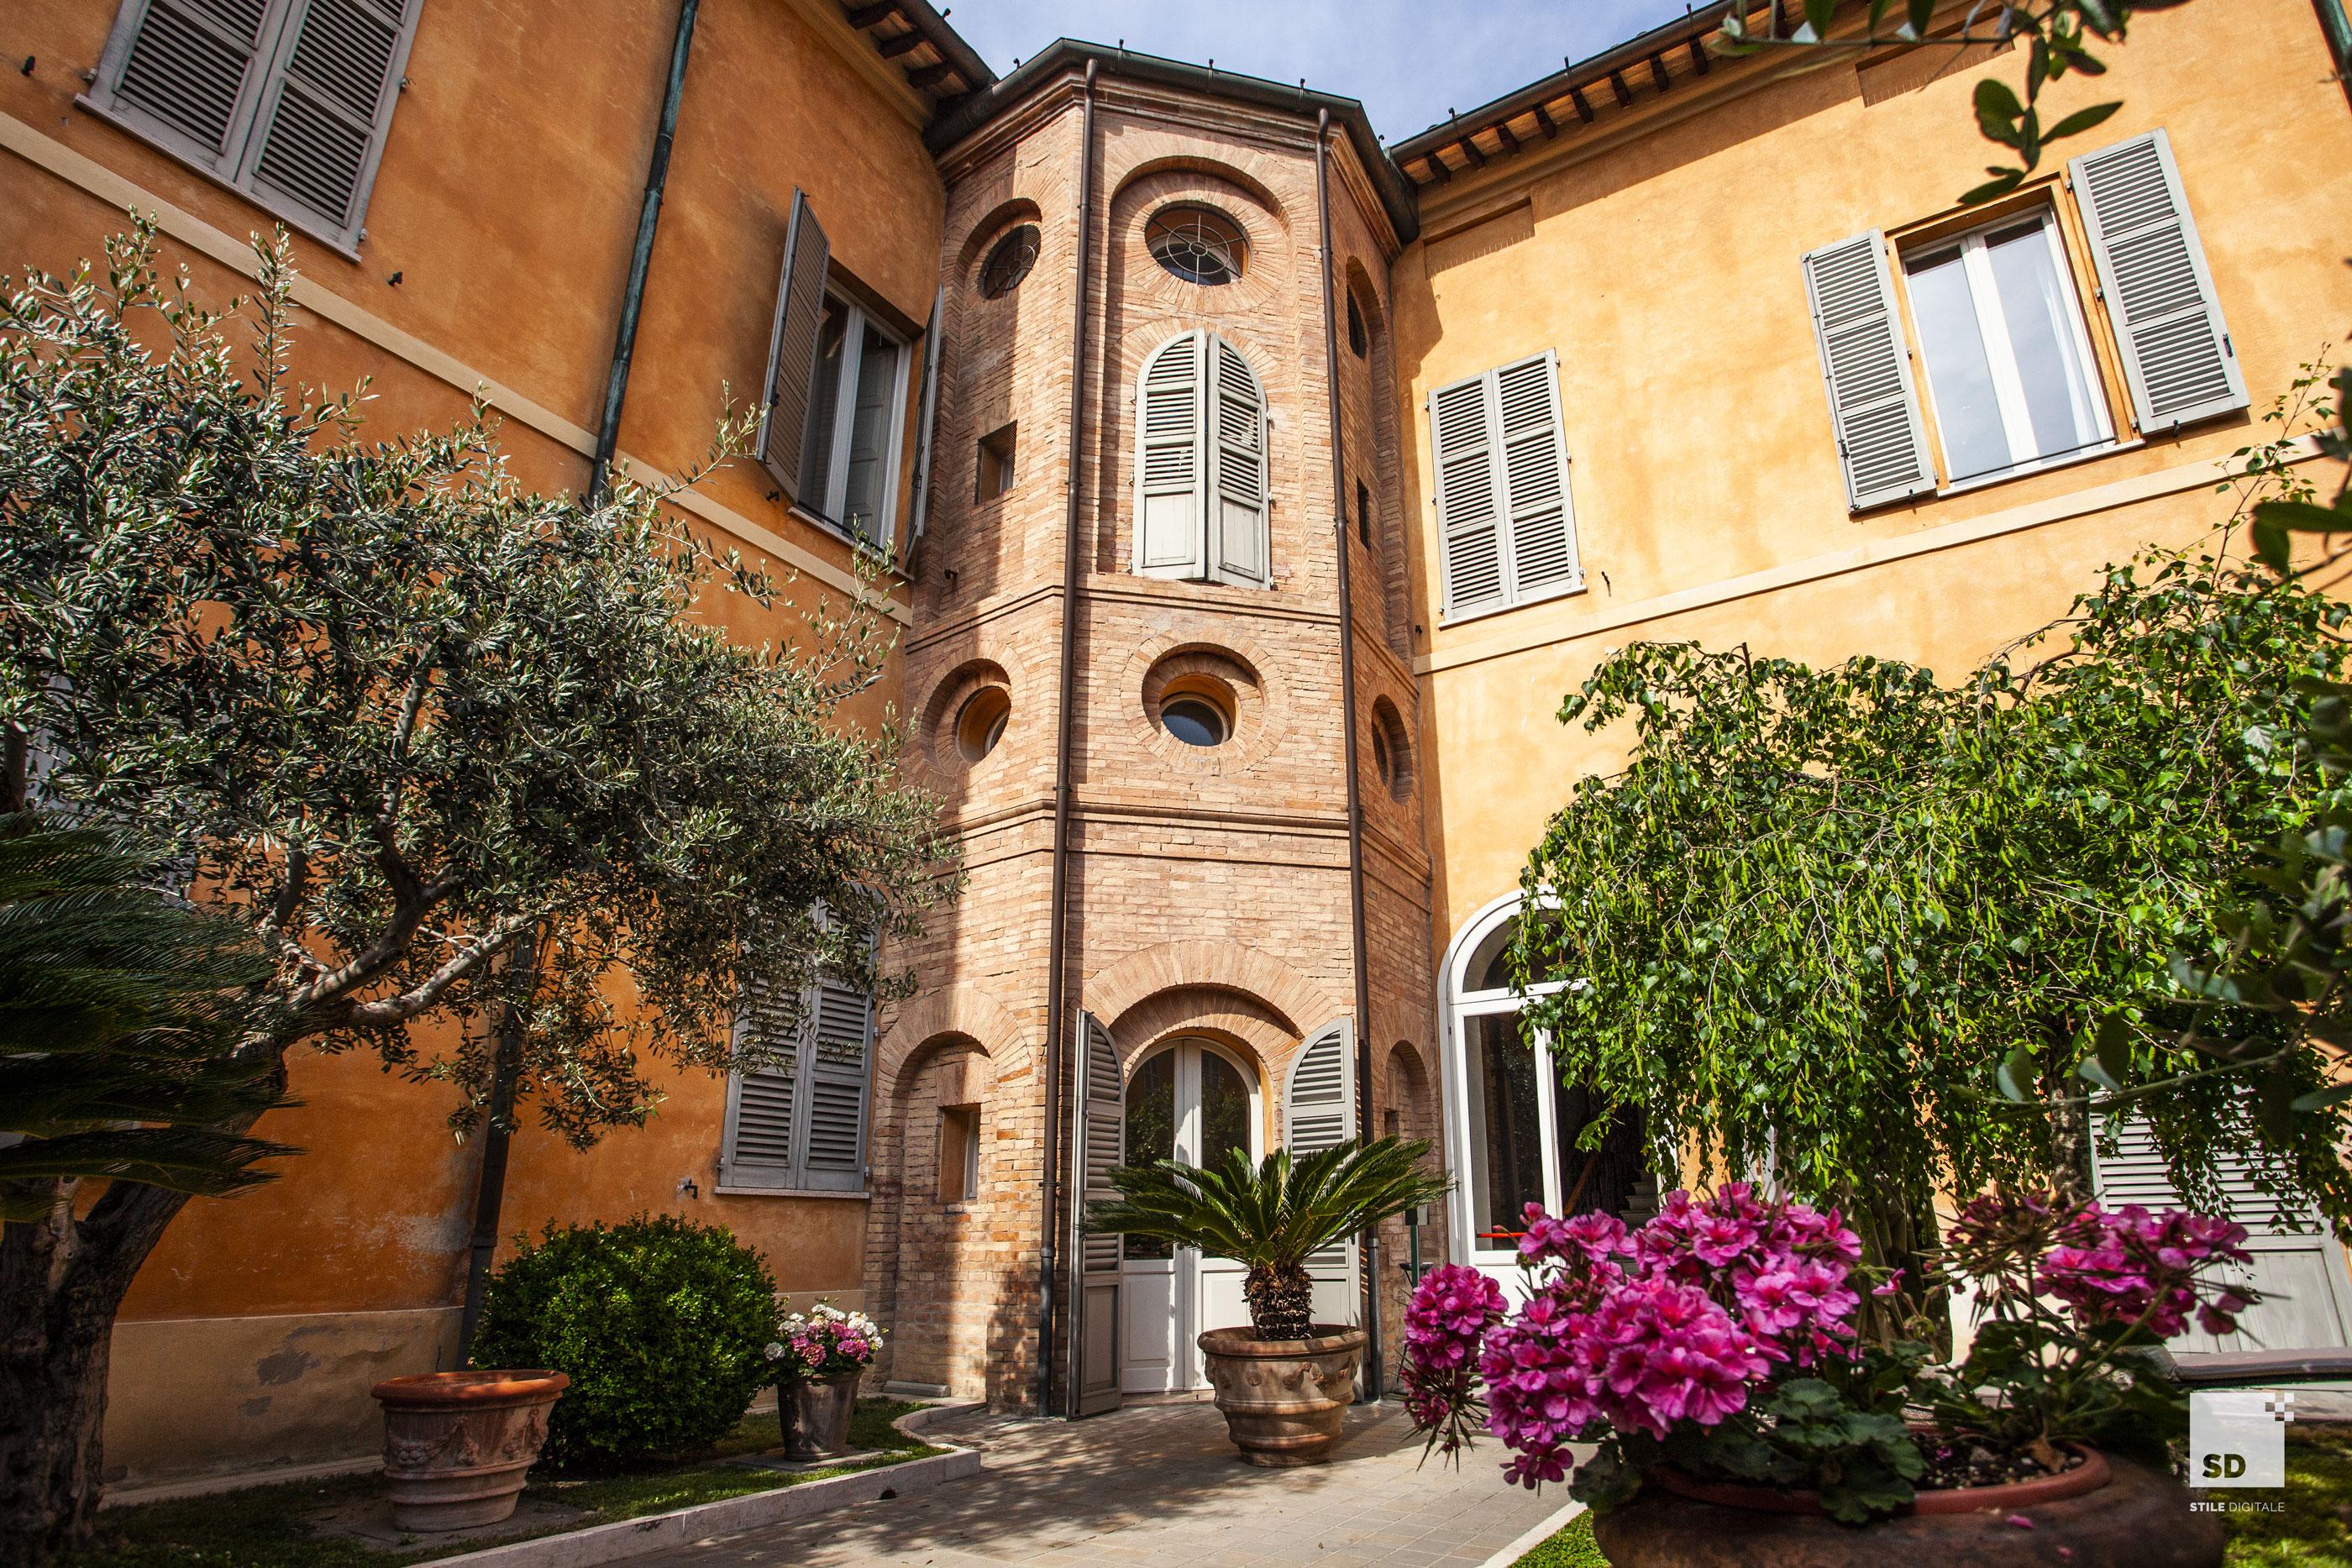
column 662, row 1325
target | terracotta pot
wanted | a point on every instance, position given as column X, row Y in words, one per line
column 1284, row 1400
column 458, row 1444
column 2134, row 1517
column 815, row 1412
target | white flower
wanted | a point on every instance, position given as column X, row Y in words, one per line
column 774, row 1351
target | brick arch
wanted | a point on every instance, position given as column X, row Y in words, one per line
column 1302, row 1004
column 964, row 1011
column 1205, row 165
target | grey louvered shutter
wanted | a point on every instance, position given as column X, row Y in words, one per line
column 190, row 70
column 1463, row 447
column 2307, row 1298
column 761, row 1139
column 1866, row 366
column 1541, row 520
column 328, row 105
column 1237, row 468
column 1318, row 1113
column 841, row 1035
column 1169, row 533
column 1102, row 1144
column 927, row 408
column 783, row 435
column 2178, row 359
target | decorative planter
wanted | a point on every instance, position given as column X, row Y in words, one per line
column 2108, row 1513
column 458, row 1444
column 1285, row 1399
column 815, row 1412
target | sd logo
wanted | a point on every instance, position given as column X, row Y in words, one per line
column 2224, row 1467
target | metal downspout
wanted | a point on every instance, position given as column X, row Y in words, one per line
column 2333, row 22
column 632, row 298
column 1371, row 1244
column 1065, row 723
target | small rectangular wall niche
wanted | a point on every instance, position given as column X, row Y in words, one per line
column 996, row 472
column 958, row 1153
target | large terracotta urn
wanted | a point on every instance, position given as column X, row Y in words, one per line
column 2108, row 1513
column 816, row 1412
column 1284, row 1400
column 459, row 1445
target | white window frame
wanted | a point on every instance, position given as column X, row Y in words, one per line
column 1993, row 332
column 233, row 167
column 1465, row 1152
column 827, row 509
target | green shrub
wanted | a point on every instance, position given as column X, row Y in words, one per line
column 662, row 1325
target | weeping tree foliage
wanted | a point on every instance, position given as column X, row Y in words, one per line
column 1272, row 1217
column 121, row 1009
column 449, row 750
column 1885, row 935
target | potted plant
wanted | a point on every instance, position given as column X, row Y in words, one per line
column 1712, row 1357
column 1284, row 1382
column 457, row 1446
column 823, row 1353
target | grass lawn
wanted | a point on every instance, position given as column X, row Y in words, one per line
column 2314, row 1532
column 262, row 1527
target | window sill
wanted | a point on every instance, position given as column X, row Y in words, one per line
column 727, row 1189
column 2040, row 466
column 892, row 563
column 340, row 244
column 1565, row 591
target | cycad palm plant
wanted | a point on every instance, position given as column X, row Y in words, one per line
column 1271, row 1216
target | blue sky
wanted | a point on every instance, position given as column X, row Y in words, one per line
column 1410, row 60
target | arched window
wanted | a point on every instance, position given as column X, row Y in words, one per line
column 1512, row 1128
column 1201, row 476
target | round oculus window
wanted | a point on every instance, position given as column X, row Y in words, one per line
column 980, row 723
column 1009, row 261
column 1199, row 244
column 1195, row 721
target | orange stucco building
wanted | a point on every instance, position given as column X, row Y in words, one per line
column 1257, row 489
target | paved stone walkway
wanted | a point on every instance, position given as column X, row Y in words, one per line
column 1160, row 1487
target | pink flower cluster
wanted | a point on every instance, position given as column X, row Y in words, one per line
column 824, row 1342
column 1640, row 1329
column 2135, row 1268
column 1447, row 1320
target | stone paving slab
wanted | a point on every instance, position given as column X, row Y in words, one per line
column 1160, row 1487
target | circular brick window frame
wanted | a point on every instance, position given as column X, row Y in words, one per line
column 949, row 702
column 1389, row 740
column 1234, row 679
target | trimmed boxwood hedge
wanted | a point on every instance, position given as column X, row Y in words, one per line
column 662, row 1324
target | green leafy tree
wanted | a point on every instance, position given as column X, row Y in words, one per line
column 1886, row 936
column 451, row 749
column 1272, row 1217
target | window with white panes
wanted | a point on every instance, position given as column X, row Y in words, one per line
column 850, row 450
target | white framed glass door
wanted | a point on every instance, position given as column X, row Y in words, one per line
column 1190, row 1101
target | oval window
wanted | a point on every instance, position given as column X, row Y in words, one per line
column 1009, row 261
column 1199, row 244
column 1195, row 720
column 980, row 723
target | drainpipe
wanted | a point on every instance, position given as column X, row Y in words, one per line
column 1057, row 1006
column 625, row 344
column 1371, row 1242
column 2333, row 23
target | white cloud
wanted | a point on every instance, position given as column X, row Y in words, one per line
column 1411, row 61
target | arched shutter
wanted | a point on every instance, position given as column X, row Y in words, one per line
column 1866, row 366
column 1237, row 468
column 792, row 348
column 323, row 119
column 1541, row 517
column 1102, row 1148
column 1318, row 1113
column 1469, row 505
column 2178, row 359
column 1168, row 514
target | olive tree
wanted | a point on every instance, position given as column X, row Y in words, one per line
column 455, row 750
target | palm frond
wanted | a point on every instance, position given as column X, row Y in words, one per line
column 1276, row 1214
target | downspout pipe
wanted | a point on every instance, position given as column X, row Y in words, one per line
column 632, row 298
column 1350, row 749
column 2333, row 22
column 1057, row 1002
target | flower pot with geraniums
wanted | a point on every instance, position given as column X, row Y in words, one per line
column 823, row 1353
column 1712, row 1357
column 1284, row 1382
